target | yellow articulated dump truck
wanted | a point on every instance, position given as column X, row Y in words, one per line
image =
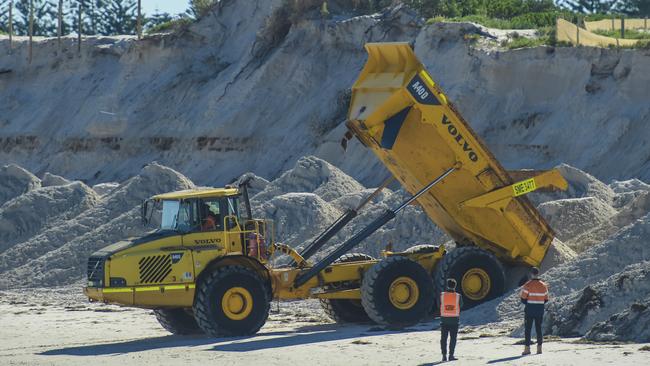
column 208, row 268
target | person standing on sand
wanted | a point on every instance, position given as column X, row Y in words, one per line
column 534, row 295
column 450, row 304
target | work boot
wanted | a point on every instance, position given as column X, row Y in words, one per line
column 444, row 358
column 452, row 358
column 539, row 349
column 526, row 351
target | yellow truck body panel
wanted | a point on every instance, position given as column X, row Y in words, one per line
column 401, row 114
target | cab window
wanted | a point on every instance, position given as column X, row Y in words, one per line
column 186, row 219
column 233, row 207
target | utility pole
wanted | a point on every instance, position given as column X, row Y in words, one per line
column 59, row 27
column 31, row 28
column 578, row 31
column 79, row 28
column 139, row 22
column 11, row 21
column 622, row 27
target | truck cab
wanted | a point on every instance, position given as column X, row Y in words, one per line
column 195, row 228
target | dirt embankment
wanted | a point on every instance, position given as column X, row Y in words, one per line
column 248, row 89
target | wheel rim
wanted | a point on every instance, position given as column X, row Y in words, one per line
column 237, row 303
column 476, row 284
column 403, row 293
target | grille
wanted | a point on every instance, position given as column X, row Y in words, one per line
column 96, row 270
column 155, row 268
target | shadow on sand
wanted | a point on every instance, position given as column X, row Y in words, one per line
column 506, row 359
column 310, row 335
column 303, row 335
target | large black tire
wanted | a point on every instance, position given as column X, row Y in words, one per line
column 343, row 310
column 209, row 310
column 376, row 292
column 462, row 261
column 426, row 249
column 178, row 321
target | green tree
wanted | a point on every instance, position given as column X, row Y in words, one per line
column 116, row 17
column 589, row 6
column 503, row 9
column 89, row 16
column 45, row 15
column 199, row 8
column 634, row 7
column 507, row 9
column 158, row 18
column 4, row 16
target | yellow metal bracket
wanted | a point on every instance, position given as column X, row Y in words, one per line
column 500, row 198
column 343, row 294
column 285, row 249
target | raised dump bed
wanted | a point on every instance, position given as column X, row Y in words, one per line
column 400, row 113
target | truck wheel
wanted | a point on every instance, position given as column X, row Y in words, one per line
column 231, row 301
column 478, row 273
column 397, row 292
column 177, row 321
column 344, row 310
column 426, row 249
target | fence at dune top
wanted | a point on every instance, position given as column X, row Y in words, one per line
column 615, row 24
column 571, row 33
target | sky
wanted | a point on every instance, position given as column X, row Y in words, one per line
column 166, row 6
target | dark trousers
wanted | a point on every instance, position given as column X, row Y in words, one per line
column 452, row 332
column 529, row 320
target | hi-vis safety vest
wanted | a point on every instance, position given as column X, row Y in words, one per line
column 535, row 291
column 449, row 304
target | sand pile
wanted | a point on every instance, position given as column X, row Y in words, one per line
column 48, row 232
column 50, row 179
column 297, row 216
column 15, row 181
column 591, row 211
column 57, row 252
column 596, row 292
column 604, row 310
column 314, row 175
column 306, row 199
column 573, row 216
column 582, row 290
column 42, row 208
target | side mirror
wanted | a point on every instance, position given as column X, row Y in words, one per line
column 145, row 216
column 143, row 212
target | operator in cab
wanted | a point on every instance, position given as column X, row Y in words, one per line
column 210, row 220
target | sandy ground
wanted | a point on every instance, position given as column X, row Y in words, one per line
column 43, row 327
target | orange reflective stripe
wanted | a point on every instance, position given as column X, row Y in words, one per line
column 536, row 301
column 449, row 304
column 535, row 291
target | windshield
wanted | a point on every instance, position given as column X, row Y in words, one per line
column 169, row 215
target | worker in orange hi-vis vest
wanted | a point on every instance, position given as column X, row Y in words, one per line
column 450, row 304
column 534, row 295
